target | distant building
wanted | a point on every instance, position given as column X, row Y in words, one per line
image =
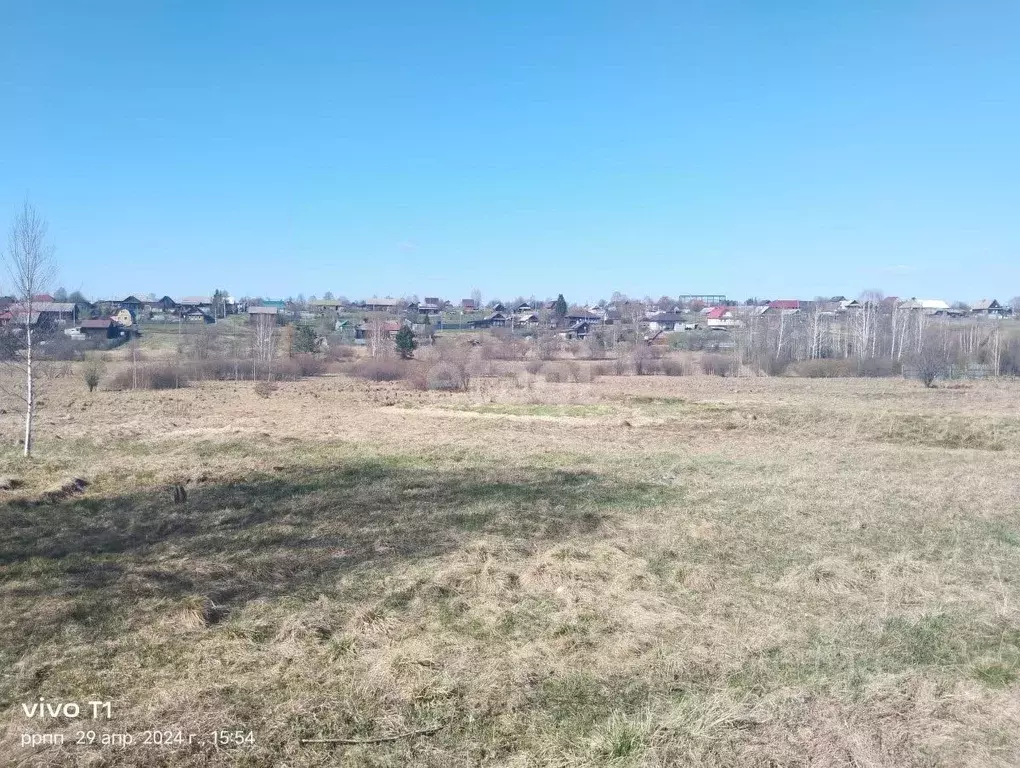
column 263, row 310
column 783, row 305
column 990, row 307
column 495, row 320
column 100, row 328
column 325, row 306
column 665, row 321
column 376, row 304
column 721, row 317
column 44, row 313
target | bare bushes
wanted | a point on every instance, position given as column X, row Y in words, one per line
column 844, row 368
column 309, row 364
column 876, row 367
column 566, row 372
column 931, row 363
column 824, row 369
column 617, row 367
column 381, row 369
column 151, row 376
column 445, row 376
column 673, row 365
column 644, row 361
column 717, row 365
column 92, row 372
column 503, row 347
column 264, row 389
column 337, row 352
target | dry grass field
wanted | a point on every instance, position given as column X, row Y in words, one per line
column 640, row 571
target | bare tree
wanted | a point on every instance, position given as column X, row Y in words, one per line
column 31, row 268
column 263, row 343
column 933, row 359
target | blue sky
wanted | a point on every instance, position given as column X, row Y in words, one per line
column 750, row 148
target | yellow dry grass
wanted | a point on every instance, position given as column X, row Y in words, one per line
column 637, row 571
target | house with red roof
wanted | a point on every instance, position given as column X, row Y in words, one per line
column 721, row 318
column 783, row 305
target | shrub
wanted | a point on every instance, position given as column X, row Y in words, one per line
column 309, row 364
column 643, row 360
column 554, row 374
column 824, row 369
column 380, row 369
column 165, row 376
column 874, row 367
column 675, row 366
column 558, row 373
column 504, row 349
column 337, row 352
column 933, row 362
column 716, row 365
column 582, row 374
column 155, row 376
column 264, row 388
column 287, row 369
column 445, row 376
column 773, row 367
column 92, row 373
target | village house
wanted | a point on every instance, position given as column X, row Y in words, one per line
column 186, row 306
column 254, row 312
column 927, row 306
column 494, row 320
column 578, row 330
column 468, row 305
column 195, row 315
column 162, row 305
column 783, row 306
column 100, row 328
column 989, row 307
column 665, row 321
column 325, row 306
column 44, row 313
column 387, row 329
column 376, row 304
column 721, row 318
column 583, row 316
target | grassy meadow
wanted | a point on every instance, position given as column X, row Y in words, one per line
column 637, row 571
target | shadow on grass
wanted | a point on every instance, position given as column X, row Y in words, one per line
column 297, row 532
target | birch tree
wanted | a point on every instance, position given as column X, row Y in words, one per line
column 30, row 268
column 263, row 343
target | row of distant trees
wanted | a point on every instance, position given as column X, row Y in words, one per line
column 878, row 332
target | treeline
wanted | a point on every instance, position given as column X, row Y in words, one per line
column 877, row 341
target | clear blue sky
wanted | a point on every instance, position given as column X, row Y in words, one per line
column 752, row 148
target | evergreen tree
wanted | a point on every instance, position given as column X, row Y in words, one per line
column 560, row 308
column 406, row 343
column 304, row 339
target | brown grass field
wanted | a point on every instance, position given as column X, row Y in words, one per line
column 640, row 571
